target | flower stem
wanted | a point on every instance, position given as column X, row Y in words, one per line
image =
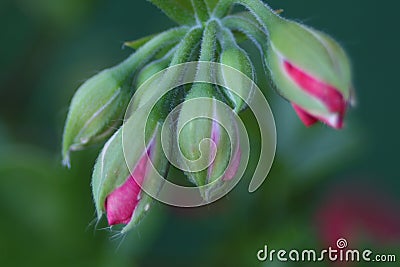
column 249, row 28
column 226, row 38
column 148, row 50
column 207, row 52
column 201, row 11
column 260, row 10
column 185, row 47
column 182, row 54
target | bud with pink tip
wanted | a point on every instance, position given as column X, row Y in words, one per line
column 310, row 70
column 117, row 189
column 208, row 140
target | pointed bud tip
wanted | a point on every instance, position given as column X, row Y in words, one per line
column 334, row 120
column 66, row 160
column 121, row 203
column 306, row 118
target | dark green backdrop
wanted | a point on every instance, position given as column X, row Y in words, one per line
column 321, row 177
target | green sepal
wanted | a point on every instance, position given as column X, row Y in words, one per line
column 237, row 58
column 289, row 90
column 152, row 181
column 99, row 103
column 313, row 51
column 110, row 171
column 194, row 131
column 148, row 71
column 143, row 207
column 95, row 109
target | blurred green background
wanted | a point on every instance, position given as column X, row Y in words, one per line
column 324, row 184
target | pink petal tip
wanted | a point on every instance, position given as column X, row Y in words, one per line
column 327, row 94
column 121, row 203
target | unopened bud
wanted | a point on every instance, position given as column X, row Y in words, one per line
column 117, row 188
column 310, row 70
column 95, row 111
column 208, row 139
column 237, row 58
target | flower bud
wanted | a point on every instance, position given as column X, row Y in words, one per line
column 237, row 58
column 117, row 190
column 208, row 139
column 143, row 96
column 151, row 69
column 95, row 110
column 310, row 70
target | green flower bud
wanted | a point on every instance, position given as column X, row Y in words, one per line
column 308, row 67
column 95, row 111
column 208, row 139
column 237, row 58
column 117, row 189
column 313, row 51
column 99, row 103
column 310, row 70
column 142, row 96
column 151, row 69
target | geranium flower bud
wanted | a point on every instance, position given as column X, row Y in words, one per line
column 310, row 70
column 143, row 96
column 98, row 105
column 151, row 69
column 208, row 139
column 96, row 109
column 238, row 59
column 117, row 190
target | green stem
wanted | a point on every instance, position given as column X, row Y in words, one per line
column 249, row 28
column 228, row 42
column 200, row 10
column 182, row 54
column 207, row 52
column 222, row 8
column 186, row 46
column 226, row 38
column 147, row 51
column 260, row 10
column 252, row 30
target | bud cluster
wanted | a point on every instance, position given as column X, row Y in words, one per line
column 306, row 66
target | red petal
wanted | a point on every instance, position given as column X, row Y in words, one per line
column 306, row 118
column 326, row 93
column 121, row 203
